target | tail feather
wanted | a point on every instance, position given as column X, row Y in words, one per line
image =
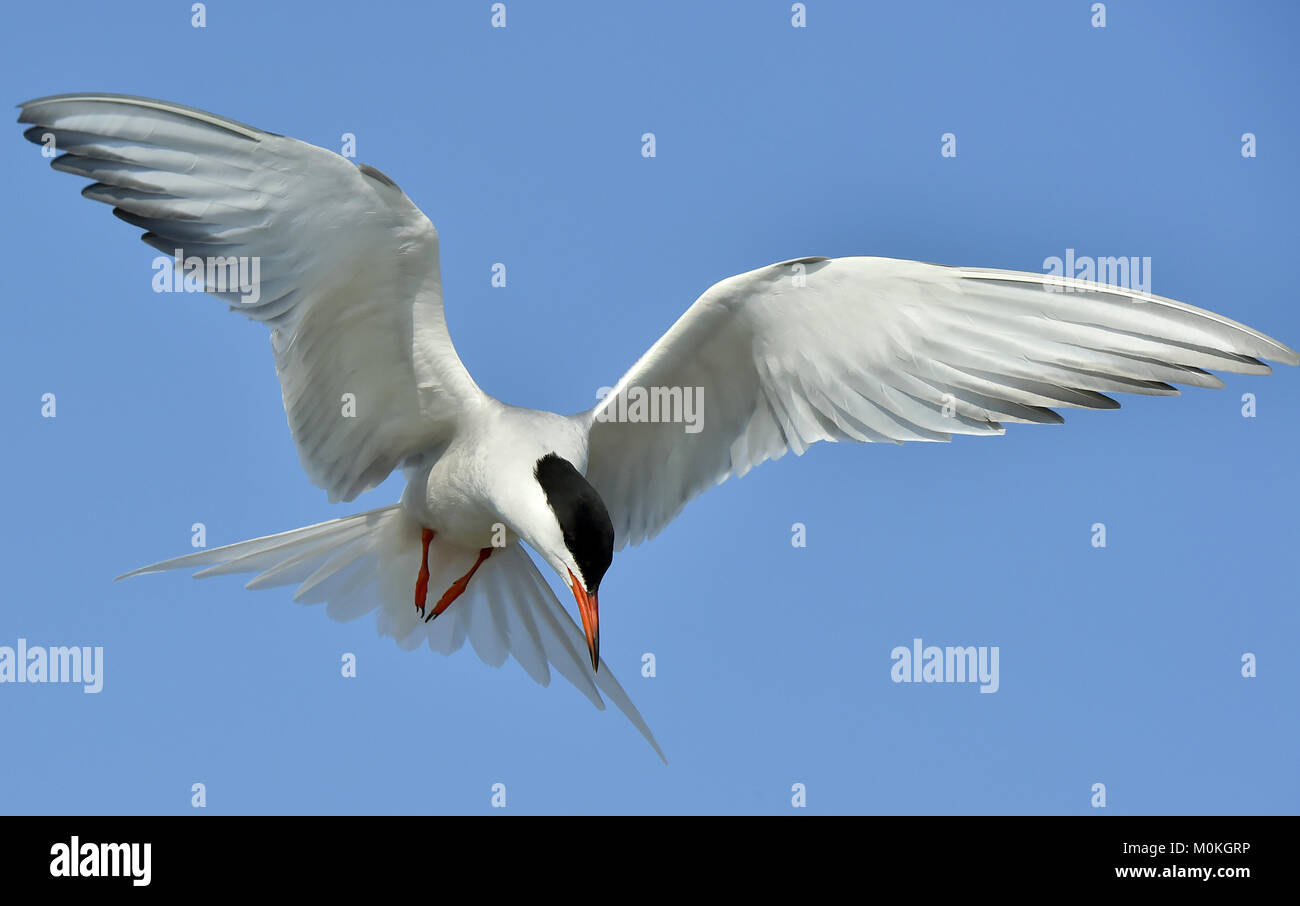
column 525, row 637
column 333, row 577
column 244, row 550
column 367, row 562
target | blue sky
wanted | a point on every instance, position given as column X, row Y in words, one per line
column 1119, row 666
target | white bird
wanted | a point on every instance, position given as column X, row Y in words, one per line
column 865, row 349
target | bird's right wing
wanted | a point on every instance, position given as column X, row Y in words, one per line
column 877, row 349
column 333, row 257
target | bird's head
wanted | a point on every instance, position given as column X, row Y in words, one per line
column 574, row 534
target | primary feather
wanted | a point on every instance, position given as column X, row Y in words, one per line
column 878, row 349
column 349, row 270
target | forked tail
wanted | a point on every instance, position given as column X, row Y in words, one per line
column 368, row 562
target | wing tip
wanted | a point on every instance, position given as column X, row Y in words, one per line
column 1279, row 352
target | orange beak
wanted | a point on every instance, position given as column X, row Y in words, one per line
column 589, row 609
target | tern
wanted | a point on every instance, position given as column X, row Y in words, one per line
column 344, row 270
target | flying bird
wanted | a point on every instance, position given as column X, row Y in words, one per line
column 347, row 279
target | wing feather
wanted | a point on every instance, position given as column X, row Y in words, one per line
column 347, row 268
column 876, row 350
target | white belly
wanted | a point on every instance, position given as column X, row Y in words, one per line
column 451, row 499
column 487, row 468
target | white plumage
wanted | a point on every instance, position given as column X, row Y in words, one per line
column 865, row 349
column 877, row 349
column 363, row 563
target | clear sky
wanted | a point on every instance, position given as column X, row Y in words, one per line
column 1119, row 665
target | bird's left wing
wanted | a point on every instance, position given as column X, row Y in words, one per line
column 333, row 257
column 877, row 349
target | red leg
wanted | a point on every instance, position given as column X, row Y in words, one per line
column 422, row 580
column 458, row 587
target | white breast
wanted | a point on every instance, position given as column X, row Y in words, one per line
column 487, row 470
